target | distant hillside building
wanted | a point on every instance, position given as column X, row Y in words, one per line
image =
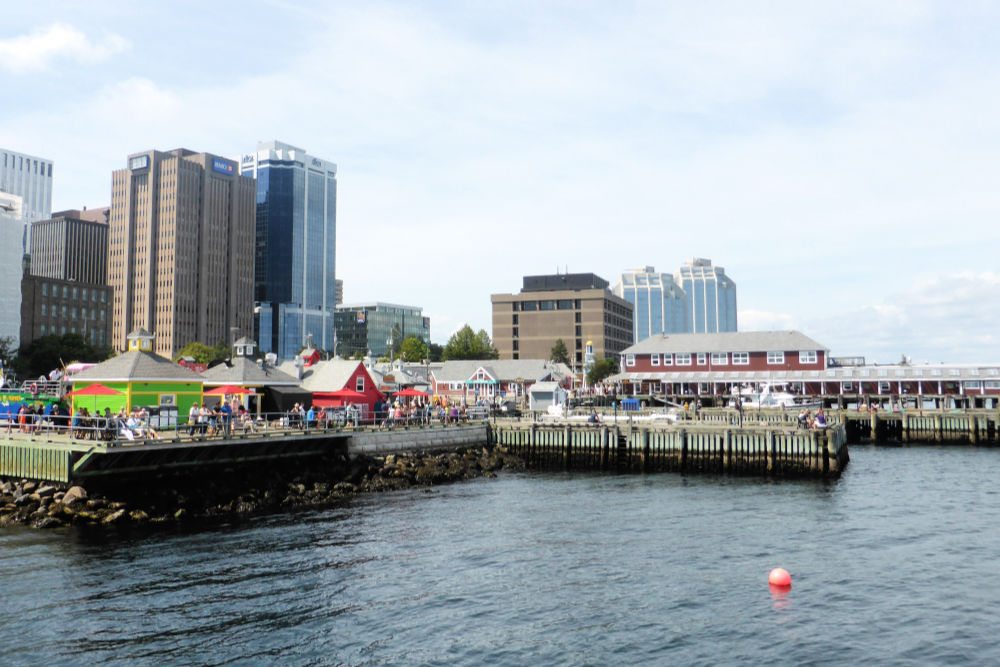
column 658, row 302
column 295, row 294
column 574, row 307
column 181, row 249
column 710, row 297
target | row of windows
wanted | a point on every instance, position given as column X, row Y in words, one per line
column 549, row 304
column 34, row 166
column 97, row 336
column 721, row 358
column 76, row 292
column 76, row 312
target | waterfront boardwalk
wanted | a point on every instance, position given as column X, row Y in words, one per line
column 758, row 442
column 650, row 446
column 54, row 456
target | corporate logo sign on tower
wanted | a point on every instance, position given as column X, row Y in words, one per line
column 223, row 166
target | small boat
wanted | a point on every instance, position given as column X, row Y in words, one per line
column 773, row 397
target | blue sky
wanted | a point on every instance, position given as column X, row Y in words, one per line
column 837, row 159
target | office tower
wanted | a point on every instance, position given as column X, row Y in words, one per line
column 11, row 255
column 181, row 249
column 296, row 233
column 30, row 178
column 339, row 291
column 657, row 301
column 575, row 307
column 370, row 329
column 65, row 289
column 710, row 296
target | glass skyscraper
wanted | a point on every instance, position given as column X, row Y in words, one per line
column 710, row 296
column 369, row 329
column 294, row 285
column 658, row 302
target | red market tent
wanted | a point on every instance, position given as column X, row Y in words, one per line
column 96, row 389
column 228, row 389
column 413, row 393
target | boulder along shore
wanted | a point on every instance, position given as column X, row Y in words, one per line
column 225, row 493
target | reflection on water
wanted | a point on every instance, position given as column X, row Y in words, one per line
column 541, row 568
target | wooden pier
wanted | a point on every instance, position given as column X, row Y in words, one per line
column 779, row 451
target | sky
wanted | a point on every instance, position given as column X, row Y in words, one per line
column 837, row 159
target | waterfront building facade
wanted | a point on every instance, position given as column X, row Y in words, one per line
column 295, row 292
column 658, row 302
column 371, row 329
column 574, row 307
column 57, row 306
column 181, row 249
column 65, row 289
column 710, row 297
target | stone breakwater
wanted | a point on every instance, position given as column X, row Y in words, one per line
column 231, row 493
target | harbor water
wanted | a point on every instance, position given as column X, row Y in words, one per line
column 895, row 562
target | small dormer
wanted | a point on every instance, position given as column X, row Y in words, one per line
column 244, row 347
column 140, row 340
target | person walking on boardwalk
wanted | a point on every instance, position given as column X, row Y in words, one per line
column 193, row 419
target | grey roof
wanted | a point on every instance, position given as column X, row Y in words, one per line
column 734, row 341
column 542, row 387
column 136, row 365
column 246, row 372
column 329, row 375
column 503, row 370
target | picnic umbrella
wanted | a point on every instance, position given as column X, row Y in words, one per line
column 228, row 389
column 96, row 389
column 413, row 393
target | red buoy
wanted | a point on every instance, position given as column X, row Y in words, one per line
column 779, row 577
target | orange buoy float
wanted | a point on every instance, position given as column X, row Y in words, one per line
column 779, row 577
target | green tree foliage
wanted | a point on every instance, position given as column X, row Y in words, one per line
column 465, row 344
column 436, row 352
column 49, row 352
column 203, row 354
column 601, row 369
column 8, row 350
column 559, row 353
column 413, row 349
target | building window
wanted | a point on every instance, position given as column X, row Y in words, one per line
column 359, row 384
column 45, row 289
column 65, row 291
column 514, row 333
column 578, row 330
column 682, row 359
column 741, row 358
column 775, row 358
column 84, row 297
column 529, row 305
column 577, row 318
column 668, row 360
column 514, row 306
column 654, row 360
column 547, row 305
column 515, row 346
column 43, row 329
column 45, row 309
column 630, row 360
column 720, row 358
column 514, row 321
column 702, row 358
column 807, row 356
column 564, row 304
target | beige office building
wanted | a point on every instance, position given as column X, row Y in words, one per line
column 575, row 307
column 180, row 257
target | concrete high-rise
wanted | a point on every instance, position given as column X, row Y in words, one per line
column 181, row 249
column 295, row 293
column 710, row 296
column 658, row 302
column 30, row 178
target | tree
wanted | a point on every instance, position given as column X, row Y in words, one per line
column 435, row 352
column 601, row 369
column 8, row 350
column 203, row 354
column 465, row 344
column 559, row 353
column 413, row 349
column 49, row 352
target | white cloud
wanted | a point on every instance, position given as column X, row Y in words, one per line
column 41, row 49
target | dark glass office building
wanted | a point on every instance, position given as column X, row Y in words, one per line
column 295, row 246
